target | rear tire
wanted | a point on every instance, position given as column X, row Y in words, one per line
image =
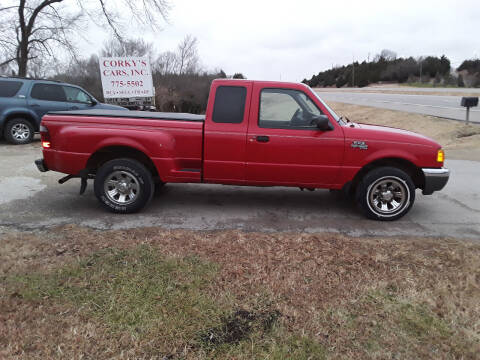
column 124, row 186
column 19, row 131
column 385, row 194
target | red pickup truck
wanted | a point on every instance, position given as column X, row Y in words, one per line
column 254, row 133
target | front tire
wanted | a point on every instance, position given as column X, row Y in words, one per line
column 385, row 194
column 124, row 186
column 19, row 131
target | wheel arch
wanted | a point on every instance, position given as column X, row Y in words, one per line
column 409, row 167
column 20, row 114
column 111, row 152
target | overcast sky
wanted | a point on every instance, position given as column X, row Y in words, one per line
column 292, row 40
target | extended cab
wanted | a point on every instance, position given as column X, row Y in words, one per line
column 254, row 133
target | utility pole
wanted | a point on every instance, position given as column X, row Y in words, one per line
column 421, row 63
column 353, row 72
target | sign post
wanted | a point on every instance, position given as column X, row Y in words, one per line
column 127, row 80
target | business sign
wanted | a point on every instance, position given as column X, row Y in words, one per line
column 126, row 77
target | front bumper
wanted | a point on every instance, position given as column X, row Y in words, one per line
column 41, row 165
column 435, row 180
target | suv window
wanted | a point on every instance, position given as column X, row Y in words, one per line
column 9, row 88
column 286, row 109
column 76, row 95
column 229, row 104
column 49, row 92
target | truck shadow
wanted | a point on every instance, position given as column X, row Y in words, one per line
column 231, row 198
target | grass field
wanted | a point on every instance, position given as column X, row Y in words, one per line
column 73, row 292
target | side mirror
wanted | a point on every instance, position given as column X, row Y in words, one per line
column 322, row 123
column 93, row 102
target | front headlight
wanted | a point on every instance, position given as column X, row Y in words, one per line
column 440, row 156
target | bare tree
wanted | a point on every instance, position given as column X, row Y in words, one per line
column 166, row 63
column 187, row 55
column 83, row 72
column 129, row 47
column 31, row 29
column 184, row 60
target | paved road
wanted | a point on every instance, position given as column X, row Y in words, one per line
column 435, row 105
column 32, row 200
column 460, row 91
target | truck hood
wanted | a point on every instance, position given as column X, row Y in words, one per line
column 385, row 133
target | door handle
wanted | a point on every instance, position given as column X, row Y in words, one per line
column 263, row 138
column 34, row 105
column 74, row 108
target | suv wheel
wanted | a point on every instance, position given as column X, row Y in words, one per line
column 124, row 186
column 386, row 194
column 19, row 131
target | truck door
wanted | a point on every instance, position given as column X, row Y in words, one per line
column 284, row 147
column 226, row 124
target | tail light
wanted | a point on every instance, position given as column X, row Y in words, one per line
column 45, row 135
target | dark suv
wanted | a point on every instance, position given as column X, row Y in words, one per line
column 23, row 102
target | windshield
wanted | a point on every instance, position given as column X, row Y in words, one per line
column 329, row 109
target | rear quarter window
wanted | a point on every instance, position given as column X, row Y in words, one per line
column 9, row 88
column 48, row 92
column 229, row 104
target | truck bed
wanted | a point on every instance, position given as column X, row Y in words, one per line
column 132, row 114
column 172, row 141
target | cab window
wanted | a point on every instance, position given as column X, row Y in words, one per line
column 286, row 109
column 229, row 104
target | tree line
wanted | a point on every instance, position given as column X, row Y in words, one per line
column 387, row 67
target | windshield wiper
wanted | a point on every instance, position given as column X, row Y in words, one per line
column 347, row 121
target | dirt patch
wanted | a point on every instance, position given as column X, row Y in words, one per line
column 338, row 296
column 238, row 326
column 452, row 135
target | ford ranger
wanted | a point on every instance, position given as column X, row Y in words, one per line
column 255, row 133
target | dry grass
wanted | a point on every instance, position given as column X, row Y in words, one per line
column 323, row 295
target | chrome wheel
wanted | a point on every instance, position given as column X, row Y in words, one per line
column 122, row 187
column 388, row 196
column 20, row 132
